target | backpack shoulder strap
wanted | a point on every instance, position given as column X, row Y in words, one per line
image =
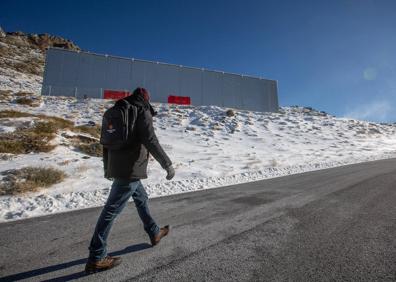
column 133, row 112
column 122, row 103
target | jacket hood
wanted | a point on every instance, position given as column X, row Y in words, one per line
column 139, row 100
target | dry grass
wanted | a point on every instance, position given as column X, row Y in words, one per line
column 91, row 130
column 30, row 66
column 23, row 94
column 28, row 99
column 85, row 144
column 60, row 123
column 5, row 52
column 10, row 55
column 5, row 92
column 29, row 179
column 91, row 149
column 29, row 140
column 47, row 128
column 34, row 139
column 14, row 114
column 25, row 101
column 5, row 96
column 37, row 138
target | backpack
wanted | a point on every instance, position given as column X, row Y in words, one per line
column 117, row 125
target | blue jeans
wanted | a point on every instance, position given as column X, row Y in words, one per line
column 121, row 192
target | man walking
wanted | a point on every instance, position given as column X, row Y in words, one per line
column 127, row 166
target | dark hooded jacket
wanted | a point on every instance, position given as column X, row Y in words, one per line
column 131, row 162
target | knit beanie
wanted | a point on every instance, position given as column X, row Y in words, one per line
column 140, row 91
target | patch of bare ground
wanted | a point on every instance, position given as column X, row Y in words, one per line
column 31, row 139
column 85, row 144
column 38, row 137
column 29, row 179
column 5, row 96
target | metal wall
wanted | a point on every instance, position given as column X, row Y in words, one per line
column 83, row 74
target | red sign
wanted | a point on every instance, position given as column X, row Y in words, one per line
column 114, row 94
column 180, row 100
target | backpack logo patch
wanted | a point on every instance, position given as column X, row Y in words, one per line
column 110, row 128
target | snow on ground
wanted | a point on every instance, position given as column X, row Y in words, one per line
column 11, row 79
column 17, row 81
column 208, row 149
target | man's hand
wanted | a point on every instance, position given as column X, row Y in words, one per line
column 170, row 172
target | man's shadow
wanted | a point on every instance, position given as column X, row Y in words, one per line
column 53, row 268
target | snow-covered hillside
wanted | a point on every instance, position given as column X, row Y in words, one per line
column 22, row 57
column 208, row 148
column 13, row 62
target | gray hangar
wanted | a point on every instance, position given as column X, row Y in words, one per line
column 84, row 74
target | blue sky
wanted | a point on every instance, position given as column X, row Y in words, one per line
column 334, row 55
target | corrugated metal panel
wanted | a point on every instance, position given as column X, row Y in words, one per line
column 82, row 74
column 117, row 73
column 99, row 70
column 232, row 91
column 53, row 63
column 168, row 81
column 86, row 74
column 212, row 88
column 191, row 84
column 253, row 96
column 124, row 74
column 69, row 69
column 274, row 95
column 138, row 70
column 150, row 80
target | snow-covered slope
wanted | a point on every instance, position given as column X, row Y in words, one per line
column 22, row 57
column 208, row 148
column 12, row 75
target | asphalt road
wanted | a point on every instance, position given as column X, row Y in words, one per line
column 330, row 225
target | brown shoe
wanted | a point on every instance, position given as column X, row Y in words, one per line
column 162, row 233
column 101, row 265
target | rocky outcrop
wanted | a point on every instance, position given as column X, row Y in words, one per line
column 22, row 57
column 2, row 33
column 39, row 41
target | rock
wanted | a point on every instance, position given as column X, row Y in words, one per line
column 2, row 33
column 191, row 128
column 374, row 131
column 16, row 33
column 230, row 113
column 43, row 41
column 38, row 41
column 91, row 123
